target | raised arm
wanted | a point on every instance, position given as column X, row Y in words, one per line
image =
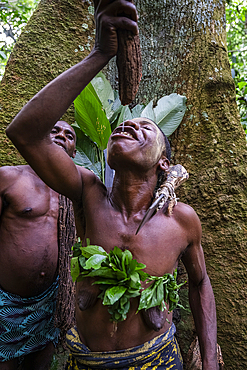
column 30, row 130
column 201, row 295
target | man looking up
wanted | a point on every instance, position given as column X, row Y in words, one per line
column 138, row 154
column 29, row 212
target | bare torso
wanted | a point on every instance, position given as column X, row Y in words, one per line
column 158, row 245
column 28, row 232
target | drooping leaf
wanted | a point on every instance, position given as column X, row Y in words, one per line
column 113, row 294
column 95, row 261
column 74, row 268
column 169, row 112
column 91, row 118
column 104, row 92
column 148, row 112
column 124, row 115
column 91, row 250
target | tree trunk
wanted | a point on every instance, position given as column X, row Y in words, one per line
column 58, row 35
column 183, row 51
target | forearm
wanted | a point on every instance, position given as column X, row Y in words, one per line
column 203, row 309
column 39, row 115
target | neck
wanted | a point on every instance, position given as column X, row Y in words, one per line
column 131, row 193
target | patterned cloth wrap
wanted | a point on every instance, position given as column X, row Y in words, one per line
column 161, row 352
column 27, row 324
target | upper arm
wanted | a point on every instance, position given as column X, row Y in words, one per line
column 193, row 256
column 54, row 166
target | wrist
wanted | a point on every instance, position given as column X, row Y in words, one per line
column 100, row 56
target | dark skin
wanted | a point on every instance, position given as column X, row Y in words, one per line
column 28, row 229
column 112, row 217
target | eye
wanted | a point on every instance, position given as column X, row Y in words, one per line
column 147, row 128
column 70, row 137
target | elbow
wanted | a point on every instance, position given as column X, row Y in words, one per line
column 12, row 133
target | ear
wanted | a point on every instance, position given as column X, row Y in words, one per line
column 164, row 163
column 74, row 153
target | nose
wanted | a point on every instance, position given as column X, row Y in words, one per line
column 131, row 123
column 60, row 135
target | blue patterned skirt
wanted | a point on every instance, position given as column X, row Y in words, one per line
column 159, row 353
column 27, row 324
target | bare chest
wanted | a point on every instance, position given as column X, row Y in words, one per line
column 158, row 244
column 30, row 198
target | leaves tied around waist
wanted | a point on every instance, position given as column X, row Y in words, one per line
column 119, row 276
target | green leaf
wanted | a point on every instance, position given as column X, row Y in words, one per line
column 95, row 261
column 87, row 153
column 74, row 268
column 137, row 110
column 105, row 272
column 91, row 118
column 124, row 115
column 169, row 112
column 106, row 281
column 104, row 92
column 90, row 250
column 148, row 112
column 113, row 294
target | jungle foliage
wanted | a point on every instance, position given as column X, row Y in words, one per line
column 236, row 17
column 14, row 15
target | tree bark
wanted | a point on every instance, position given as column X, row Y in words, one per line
column 58, row 35
column 183, row 51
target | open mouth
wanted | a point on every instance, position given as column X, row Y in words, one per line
column 128, row 133
column 60, row 144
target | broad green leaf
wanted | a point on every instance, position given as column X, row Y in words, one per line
column 113, row 294
column 81, row 159
column 106, row 281
column 124, row 115
column 90, row 250
column 135, row 280
column 104, row 92
column 95, row 261
column 148, row 112
column 137, row 110
column 169, row 112
column 82, row 261
column 91, row 118
column 74, row 268
column 105, row 272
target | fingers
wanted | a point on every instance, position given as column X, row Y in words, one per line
column 125, row 23
column 116, row 7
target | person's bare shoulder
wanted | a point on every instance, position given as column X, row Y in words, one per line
column 91, row 182
column 187, row 218
column 10, row 174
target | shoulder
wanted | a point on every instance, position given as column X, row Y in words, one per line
column 186, row 216
column 90, row 181
column 184, row 212
column 10, row 175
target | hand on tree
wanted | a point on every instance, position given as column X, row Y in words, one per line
column 109, row 16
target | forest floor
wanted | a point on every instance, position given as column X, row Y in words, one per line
column 59, row 361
